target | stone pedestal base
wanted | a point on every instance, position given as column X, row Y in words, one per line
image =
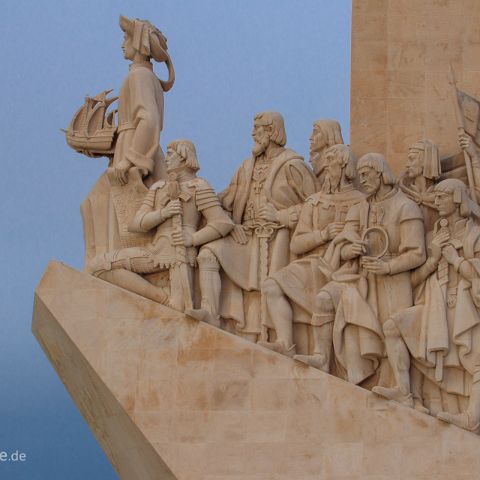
column 171, row 398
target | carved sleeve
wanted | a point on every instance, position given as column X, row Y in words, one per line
column 350, row 231
column 227, row 196
column 146, row 217
column 301, row 180
column 218, row 224
column 305, row 238
column 146, row 119
column 411, row 251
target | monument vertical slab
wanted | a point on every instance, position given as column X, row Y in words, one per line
column 401, row 55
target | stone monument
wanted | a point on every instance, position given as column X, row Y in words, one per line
column 306, row 323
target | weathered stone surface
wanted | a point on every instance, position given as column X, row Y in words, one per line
column 164, row 393
column 401, row 52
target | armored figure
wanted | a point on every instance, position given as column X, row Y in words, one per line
column 382, row 241
column 175, row 210
column 264, row 199
column 290, row 292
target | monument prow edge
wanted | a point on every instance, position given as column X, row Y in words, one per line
column 169, row 397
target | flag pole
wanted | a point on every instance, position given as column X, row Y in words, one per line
column 461, row 129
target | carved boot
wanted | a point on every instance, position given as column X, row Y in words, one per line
column 317, row 360
column 204, row 316
column 394, row 394
column 210, row 289
column 279, row 347
column 322, row 340
column 462, row 420
column 419, row 406
column 470, row 418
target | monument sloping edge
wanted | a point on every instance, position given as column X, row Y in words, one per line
column 170, row 397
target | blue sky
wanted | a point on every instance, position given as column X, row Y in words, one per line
column 232, row 59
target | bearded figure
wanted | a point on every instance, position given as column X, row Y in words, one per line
column 264, row 199
column 291, row 291
column 325, row 134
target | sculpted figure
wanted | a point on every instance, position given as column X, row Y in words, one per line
column 264, row 199
column 290, row 292
column 422, row 170
column 174, row 210
column 326, row 133
column 107, row 210
column 382, row 241
column 442, row 335
column 140, row 105
column 472, row 149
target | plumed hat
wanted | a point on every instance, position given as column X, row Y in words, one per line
column 149, row 40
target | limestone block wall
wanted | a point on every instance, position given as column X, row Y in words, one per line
column 171, row 398
column 401, row 51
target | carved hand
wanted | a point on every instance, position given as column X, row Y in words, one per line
column 187, row 239
column 268, row 213
column 450, row 254
column 182, row 238
column 174, row 207
column 332, row 230
column 357, row 249
column 239, row 235
column 121, row 171
column 465, row 142
column 376, row 266
column 438, row 242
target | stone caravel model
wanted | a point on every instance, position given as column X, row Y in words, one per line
column 342, row 267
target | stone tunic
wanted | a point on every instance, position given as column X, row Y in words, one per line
column 364, row 301
column 448, row 320
column 140, row 121
column 286, row 185
column 302, row 279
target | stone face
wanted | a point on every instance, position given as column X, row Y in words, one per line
column 401, row 55
column 170, row 397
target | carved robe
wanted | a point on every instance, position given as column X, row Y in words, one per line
column 425, row 199
column 448, row 321
column 140, row 121
column 285, row 183
column 302, row 279
column 365, row 301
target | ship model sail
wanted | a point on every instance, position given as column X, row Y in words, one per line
column 93, row 129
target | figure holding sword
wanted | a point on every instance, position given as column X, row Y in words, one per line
column 175, row 208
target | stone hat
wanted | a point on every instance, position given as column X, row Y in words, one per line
column 432, row 168
column 147, row 38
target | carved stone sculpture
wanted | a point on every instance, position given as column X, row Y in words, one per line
column 423, row 169
column 441, row 334
column 175, row 210
column 325, row 134
column 290, row 292
column 140, row 121
column 264, row 198
column 382, row 241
